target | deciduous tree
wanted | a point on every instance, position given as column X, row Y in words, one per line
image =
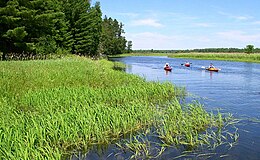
column 249, row 49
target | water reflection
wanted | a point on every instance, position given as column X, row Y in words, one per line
column 248, row 69
column 167, row 72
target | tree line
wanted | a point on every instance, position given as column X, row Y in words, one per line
column 247, row 49
column 43, row 27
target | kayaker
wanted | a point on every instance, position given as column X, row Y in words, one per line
column 186, row 64
column 166, row 65
column 211, row 65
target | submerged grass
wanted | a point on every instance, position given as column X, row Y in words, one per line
column 50, row 109
column 186, row 140
column 241, row 57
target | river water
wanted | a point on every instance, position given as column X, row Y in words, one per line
column 234, row 89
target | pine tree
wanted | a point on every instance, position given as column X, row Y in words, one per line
column 12, row 33
column 112, row 41
column 88, row 31
column 36, row 26
column 48, row 29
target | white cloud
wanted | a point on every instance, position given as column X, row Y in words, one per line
column 241, row 17
column 236, row 17
column 149, row 40
column 256, row 22
column 147, row 22
column 240, row 36
column 202, row 24
column 180, row 16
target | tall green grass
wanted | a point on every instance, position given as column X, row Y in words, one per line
column 50, row 109
column 241, row 57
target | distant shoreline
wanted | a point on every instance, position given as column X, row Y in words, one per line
column 239, row 57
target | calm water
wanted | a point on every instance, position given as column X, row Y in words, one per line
column 234, row 89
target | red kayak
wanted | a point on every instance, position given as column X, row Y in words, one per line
column 168, row 68
column 187, row 64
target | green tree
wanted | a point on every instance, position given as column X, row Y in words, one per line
column 36, row 26
column 48, row 27
column 12, row 33
column 88, row 31
column 129, row 46
column 56, row 26
column 112, row 39
column 85, row 26
column 249, row 49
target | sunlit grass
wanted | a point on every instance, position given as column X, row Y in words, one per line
column 50, row 109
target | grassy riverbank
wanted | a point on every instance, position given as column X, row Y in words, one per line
column 240, row 57
column 50, row 109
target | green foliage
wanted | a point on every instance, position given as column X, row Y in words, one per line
column 46, row 45
column 16, row 34
column 88, row 31
column 28, row 25
column 129, row 46
column 249, row 49
column 49, row 26
column 112, row 41
column 9, row 33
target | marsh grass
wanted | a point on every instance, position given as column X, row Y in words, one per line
column 51, row 109
column 241, row 57
column 187, row 143
column 119, row 66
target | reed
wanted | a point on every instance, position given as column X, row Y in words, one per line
column 180, row 129
column 53, row 108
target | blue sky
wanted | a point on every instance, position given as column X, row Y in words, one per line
column 187, row 24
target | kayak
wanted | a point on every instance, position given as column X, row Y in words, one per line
column 212, row 69
column 187, row 64
column 168, row 68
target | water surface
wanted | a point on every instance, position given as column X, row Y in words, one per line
column 234, row 89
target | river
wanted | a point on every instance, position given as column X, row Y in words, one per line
column 234, row 89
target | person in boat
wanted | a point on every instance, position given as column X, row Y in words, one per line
column 167, row 65
column 211, row 65
column 187, row 63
